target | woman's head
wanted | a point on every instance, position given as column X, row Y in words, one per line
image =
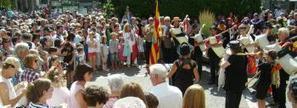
column 91, row 35
column 39, row 91
column 95, row 96
column 115, row 82
column 31, row 61
column 10, row 66
column 127, row 27
column 132, row 89
column 104, row 40
column 194, row 97
column 83, row 72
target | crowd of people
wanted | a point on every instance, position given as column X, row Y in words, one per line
column 47, row 59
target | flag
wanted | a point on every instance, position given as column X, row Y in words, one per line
column 155, row 50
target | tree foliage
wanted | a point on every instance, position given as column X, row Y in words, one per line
column 7, row 4
column 145, row 8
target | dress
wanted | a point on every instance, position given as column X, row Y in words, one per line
column 127, row 44
column 184, row 78
column 264, row 80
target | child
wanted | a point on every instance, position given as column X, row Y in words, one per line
column 128, row 43
column 104, row 53
column 80, row 57
column 92, row 49
column 113, row 49
column 121, row 50
column 140, row 42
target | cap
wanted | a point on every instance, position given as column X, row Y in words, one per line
column 235, row 44
column 129, row 102
column 13, row 61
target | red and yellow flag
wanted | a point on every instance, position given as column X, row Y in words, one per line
column 155, row 50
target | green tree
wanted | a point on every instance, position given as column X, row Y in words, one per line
column 145, row 8
column 108, row 9
column 7, row 4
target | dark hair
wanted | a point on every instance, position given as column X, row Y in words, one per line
column 52, row 49
column 70, row 37
column 43, row 41
column 81, row 70
column 27, row 36
column 272, row 54
column 94, row 94
column 36, row 89
column 52, row 59
column 184, row 49
column 57, row 43
column 151, row 99
column 6, row 66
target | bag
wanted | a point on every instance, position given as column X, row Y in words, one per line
column 288, row 63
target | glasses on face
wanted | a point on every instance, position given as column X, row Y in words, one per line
column 10, row 65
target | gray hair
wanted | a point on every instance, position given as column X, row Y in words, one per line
column 20, row 47
column 115, row 82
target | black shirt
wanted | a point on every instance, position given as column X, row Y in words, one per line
column 236, row 74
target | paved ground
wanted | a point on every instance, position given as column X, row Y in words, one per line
column 214, row 98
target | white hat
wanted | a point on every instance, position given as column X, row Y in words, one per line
column 158, row 69
column 13, row 61
column 129, row 102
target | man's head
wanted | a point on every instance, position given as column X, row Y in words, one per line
column 21, row 50
column 158, row 73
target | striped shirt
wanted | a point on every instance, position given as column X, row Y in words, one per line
column 29, row 75
column 32, row 105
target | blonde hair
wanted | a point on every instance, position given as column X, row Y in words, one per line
column 126, row 27
column 283, row 30
column 194, row 97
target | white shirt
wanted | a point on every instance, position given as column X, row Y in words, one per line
column 12, row 93
column 168, row 96
column 60, row 96
column 75, row 87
